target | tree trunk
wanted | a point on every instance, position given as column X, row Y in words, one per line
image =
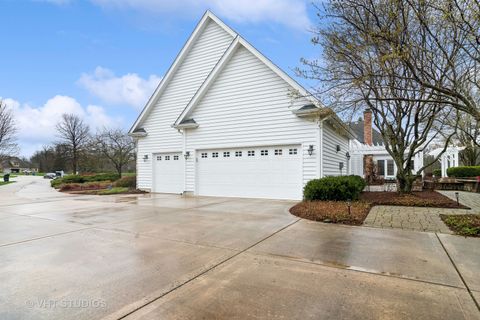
column 119, row 171
column 405, row 182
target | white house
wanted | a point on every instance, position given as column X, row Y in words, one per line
column 226, row 121
column 369, row 143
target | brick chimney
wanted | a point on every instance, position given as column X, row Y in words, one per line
column 367, row 127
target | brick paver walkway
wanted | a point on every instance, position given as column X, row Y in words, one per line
column 420, row 219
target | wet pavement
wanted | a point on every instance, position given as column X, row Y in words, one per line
column 166, row 257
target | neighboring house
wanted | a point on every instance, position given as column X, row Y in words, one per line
column 15, row 165
column 370, row 144
column 226, row 121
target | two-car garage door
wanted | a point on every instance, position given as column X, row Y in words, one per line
column 273, row 172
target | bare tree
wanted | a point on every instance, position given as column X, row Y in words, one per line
column 116, row 146
column 74, row 134
column 363, row 70
column 8, row 130
column 468, row 136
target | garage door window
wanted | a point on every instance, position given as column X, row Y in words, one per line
column 159, row 158
column 226, row 154
column 204, row 154
column 238, row 153
column 251, row 153
column 214, row 154
column 167, row 157
column 292, row 151
column 264, row 153
column 278, row 152
column 175, row 157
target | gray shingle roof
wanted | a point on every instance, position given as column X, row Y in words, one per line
column 357, row 127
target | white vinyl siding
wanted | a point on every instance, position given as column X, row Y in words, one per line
column 332, row 158
column 249, row 105
column 192, row 71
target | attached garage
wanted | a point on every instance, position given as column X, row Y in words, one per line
column 168, row 172
column 244, row 127
column 273, row 172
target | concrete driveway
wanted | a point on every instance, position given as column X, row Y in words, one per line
column 167, row 257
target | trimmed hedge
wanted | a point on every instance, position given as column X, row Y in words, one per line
column 126, row 182
column 437, row 172
column 73, row 178
column 334, row 188
column 472, row 171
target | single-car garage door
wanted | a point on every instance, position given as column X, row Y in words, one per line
column 168, row 173
column 273, row 172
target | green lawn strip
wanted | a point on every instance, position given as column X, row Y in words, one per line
column 467, row 225
column 3, row 182
column 115, row 190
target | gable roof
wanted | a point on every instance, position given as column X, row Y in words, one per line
column 357, row 128
column 237, row 43
column 207, row 17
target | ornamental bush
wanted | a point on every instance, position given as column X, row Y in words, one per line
column 102, row 177
column 334, row 188
column 126, row 182
column 472, row 171
column 437, row 172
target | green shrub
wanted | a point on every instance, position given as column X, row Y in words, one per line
column 101, row 177
column 334, row 188
column 472, row 171
column 437, row 172
column 126, row 182
column 72, row 178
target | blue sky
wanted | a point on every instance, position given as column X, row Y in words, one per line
column 102, row 59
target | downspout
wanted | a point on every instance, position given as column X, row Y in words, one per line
column 184, row 150
column 320, row 129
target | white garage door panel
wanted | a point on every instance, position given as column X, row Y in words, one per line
column 273, row 176
column 168, row 171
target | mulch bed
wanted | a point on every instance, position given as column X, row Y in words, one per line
column 332, row 211
column 427, row 198
column 337, row 211
column 463, row 224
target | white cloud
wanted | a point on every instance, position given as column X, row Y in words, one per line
column 128, row 89
column 292, row 13
column 36, row 125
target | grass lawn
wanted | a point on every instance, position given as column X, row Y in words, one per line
column 115, row 190
column 337, row 211
column 4, row 183
column 463, row 224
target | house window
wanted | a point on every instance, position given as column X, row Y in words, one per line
column 175, row 157
column 204, row 154
column 226, row 154
column 385, row 168
column 238, row 153
column 390, row 168
column 278, row 152
column 264, row 153
column 292, row 151
column 251, row 153
column 214, row 154
column 159, row 158
column 167, row 157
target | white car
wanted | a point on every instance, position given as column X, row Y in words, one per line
column 50, row 175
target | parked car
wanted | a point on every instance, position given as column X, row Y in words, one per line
column 59, row 174
column 50, row 175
